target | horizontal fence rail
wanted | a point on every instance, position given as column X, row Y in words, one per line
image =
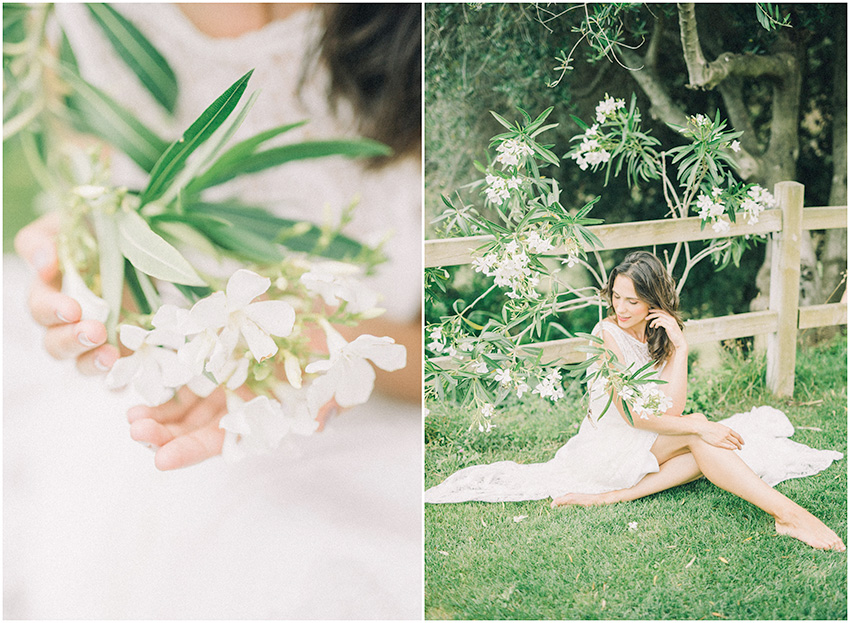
column 457, row 251
column 780, row 323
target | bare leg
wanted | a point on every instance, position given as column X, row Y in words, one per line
column 672, row 473
column 725, row 469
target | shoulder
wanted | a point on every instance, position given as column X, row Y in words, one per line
column 609, row 332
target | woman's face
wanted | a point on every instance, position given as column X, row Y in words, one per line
column 631, row 311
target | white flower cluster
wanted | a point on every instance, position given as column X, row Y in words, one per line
column 499, row 188
column 648, row 400
column 510, row 269
column 550, row 387
column 510, row 152
column 485, row 425
column 506, row 379
column 590, row 152
column 215, row 342
column 712, row 208
column 607, row 107
column 757, row 201
column 700, row 120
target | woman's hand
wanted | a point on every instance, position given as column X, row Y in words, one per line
column 716, row 434
column 66, row 335
column 184, row 431
column 660, row 318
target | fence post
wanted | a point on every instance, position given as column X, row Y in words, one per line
column 785, row 289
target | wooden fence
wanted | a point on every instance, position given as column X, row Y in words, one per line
column 780, row 322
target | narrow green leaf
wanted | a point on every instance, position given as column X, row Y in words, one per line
column 175, row 156
column 111, row 265
column 100, row 115
column 236, row 153
column 502, row 120
column 207, row 152
column 131, row 275
column 356, row 148
column 151, row 254
column 139, row 54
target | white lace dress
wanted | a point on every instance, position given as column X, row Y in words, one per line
column 608, row 454
column 329, row 526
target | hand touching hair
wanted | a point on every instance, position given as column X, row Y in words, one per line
column 655, row 287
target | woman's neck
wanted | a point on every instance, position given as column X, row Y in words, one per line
column 229, row 20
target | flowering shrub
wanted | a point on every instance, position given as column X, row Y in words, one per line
column 486, row 360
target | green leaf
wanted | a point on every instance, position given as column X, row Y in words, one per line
column 175, row 156
column 100, row 115
column 207, row 152
column 355, row 148
column 502, row 120
column 295, row 235
column 238, row 152
column 151, row 254
column 111, row 265
column 131, row 275
column 139, row 54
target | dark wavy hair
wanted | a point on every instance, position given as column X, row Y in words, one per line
column 655, row 287
column 374, row 53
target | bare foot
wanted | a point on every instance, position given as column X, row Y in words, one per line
column 585, row 499
column 804, row 526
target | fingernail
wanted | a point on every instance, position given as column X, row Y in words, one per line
column 61, row 317
column 149, row 445
column 98, row 363
column 85, row 341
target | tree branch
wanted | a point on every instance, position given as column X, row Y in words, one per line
column 662, row 107
column 704, row 75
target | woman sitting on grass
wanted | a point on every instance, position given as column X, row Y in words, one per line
column 612, row 460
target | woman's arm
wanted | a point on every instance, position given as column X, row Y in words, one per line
column 676, row 369
column 673, row 422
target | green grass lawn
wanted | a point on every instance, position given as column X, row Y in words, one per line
column 697, row 552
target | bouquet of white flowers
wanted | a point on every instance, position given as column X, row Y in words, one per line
column 201, row 293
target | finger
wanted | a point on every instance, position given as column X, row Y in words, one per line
column 36, row 243
column 190, row 449
column 49, row 307
column 148, row 431
column 98, row 360
column 738, row 437
column 175, row 410
column 72, row 340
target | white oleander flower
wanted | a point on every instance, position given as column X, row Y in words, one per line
column 253, row 427
column 503, row 376
column 607, row 108
column 735, row 146
column 154, row 368
column 480, row 367
column 721, row 226
column 336, row 282
column 348, row 377
column 521, row 388
column 238, row 318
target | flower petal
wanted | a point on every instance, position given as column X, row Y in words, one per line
column 239, row 375
column 354, row 383
column 208, row 313
column 383, row 351
column 259, row 342
column 131, row 336
column 273, row 317
column 122, row 372
column 243, row 287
